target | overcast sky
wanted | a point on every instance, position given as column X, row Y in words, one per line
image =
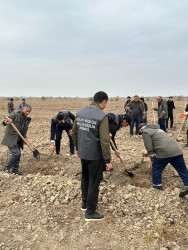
column 78, row 47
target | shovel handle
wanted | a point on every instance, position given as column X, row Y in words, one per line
column 18, row 132
column 185, row 118
column 114, row 148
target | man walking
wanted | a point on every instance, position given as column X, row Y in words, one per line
column 162, row 149
column 59, row 123
column 170, row 105
column 162, row 113
column 12, row 140
column 91, row 139
column 11, row 105
column 137, row 112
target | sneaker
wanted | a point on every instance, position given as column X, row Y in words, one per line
column 183, row 193
column 186, row 145
column 131, row 135
column 94, row 217
column 103, row 181
column 83, row 207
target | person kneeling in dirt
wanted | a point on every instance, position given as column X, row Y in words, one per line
column 162, row 149
column 60, row 122
column 12, row 140
column 115, row 122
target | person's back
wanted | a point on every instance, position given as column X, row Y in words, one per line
column 164, row 145
column 88, row 121
column 162, row 150
column 91, row 138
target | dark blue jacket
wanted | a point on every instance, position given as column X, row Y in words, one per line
column 114, row 122
column 54, row 124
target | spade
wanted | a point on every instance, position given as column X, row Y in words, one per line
column 130, row 174
column 36, row 153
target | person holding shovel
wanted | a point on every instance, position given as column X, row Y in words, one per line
column 91, row 138
column 115, row 123
column 59, row 123
column 12, row 140
column 162, row 149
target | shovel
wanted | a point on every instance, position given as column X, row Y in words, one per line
column 36, row 153
column 130, row 174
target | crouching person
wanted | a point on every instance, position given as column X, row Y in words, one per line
column 59, row 123
column 162, row 149
column 12, row 140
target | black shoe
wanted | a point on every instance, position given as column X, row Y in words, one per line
column 186, row 145
column 6, row 170
column 183, row 193
column 94, row 217
column 83, row 207
column 103, row 181
column 17, row 172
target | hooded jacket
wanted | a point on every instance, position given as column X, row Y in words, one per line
column 158, row 143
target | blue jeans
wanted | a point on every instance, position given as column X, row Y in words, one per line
column 159, row 165
column 135, row 119
column 59, row 131
column 162, row 124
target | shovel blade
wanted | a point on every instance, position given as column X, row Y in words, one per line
column 130, row 174
column 36, row 154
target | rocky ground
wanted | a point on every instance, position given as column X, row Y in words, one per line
column 41, row 209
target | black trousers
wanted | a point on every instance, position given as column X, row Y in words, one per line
column 91, row 176
column 171, row 120
column 59, row 131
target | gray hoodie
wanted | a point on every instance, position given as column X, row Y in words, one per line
column 158, row 143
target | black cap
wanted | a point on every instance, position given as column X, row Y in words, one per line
column 128, row 96
column 127, row 118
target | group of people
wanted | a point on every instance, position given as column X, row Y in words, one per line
column 11, row 107
column 89, row 133
column 138, row 108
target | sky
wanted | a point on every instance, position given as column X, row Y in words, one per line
column 78, row 47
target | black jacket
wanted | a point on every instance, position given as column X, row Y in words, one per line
column 171, row 106
column 186, row 109
column 114, row 122
column 54, row 124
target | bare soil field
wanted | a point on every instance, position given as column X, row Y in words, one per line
column 41, row 209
